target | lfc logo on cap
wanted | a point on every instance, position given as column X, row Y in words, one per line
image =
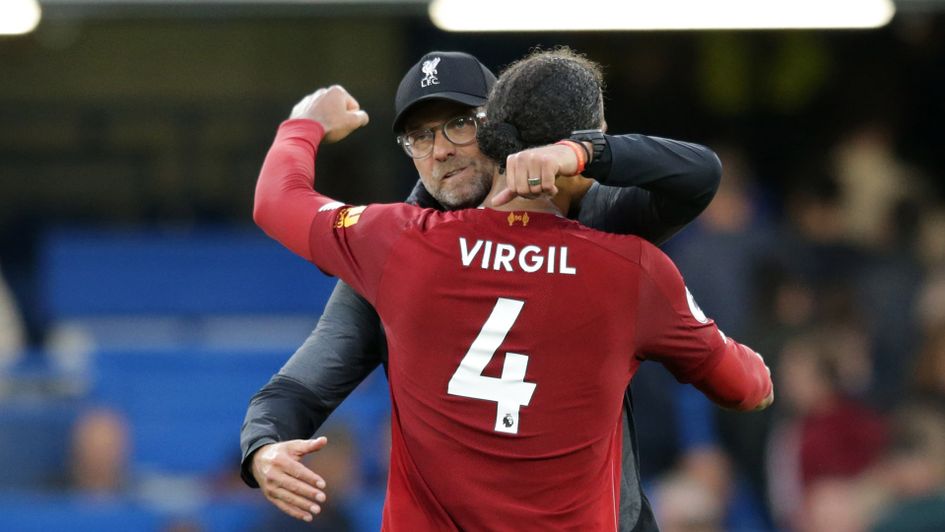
column 429, row 71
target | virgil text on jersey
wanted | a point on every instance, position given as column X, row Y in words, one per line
column 498, row 256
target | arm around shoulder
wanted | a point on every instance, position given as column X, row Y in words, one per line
column 650, row 186
column 345, row 347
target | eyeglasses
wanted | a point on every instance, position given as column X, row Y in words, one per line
column 460, row 130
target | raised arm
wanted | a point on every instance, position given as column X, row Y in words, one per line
column 285, row 203
column 646, row 186
column 290, row 406
column 649, row 186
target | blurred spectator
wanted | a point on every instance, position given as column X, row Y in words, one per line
column 874, row 287
column 786, row 307
column 834, row 505
column 879, row 200
column 929, row 376
column 720, row 256
column 677, row 432
column 888, row 285
column 828, row 435
column 931, row 237
column 914, row 471
column 719, row 253
column 100, row 453
column 931, row 301
column 683, row 504
column 12, row 331
column 813, row 246
column 873, row 179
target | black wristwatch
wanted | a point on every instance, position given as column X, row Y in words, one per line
column 595, row 137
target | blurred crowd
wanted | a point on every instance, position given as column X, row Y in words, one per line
column 841, row 287
column 833, row 268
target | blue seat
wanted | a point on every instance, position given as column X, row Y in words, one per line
column 185, row 407
column 34, row 443
column 87, row 273
column 24, row 512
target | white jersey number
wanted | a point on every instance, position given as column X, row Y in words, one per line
column 510, row 391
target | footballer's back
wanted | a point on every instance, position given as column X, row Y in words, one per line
column 511, row 339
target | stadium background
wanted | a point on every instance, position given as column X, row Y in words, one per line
column 144, row 308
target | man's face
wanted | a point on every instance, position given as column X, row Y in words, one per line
column 457, row 176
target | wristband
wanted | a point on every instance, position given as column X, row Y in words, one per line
column 580, row 151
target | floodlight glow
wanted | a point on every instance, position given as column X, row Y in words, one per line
column 19, row 16
column 593, row 15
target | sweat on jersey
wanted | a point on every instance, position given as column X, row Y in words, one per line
column 512, row 337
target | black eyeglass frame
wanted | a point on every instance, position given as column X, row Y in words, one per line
column 407, row 147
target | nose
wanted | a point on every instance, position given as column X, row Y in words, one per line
column 442, row 147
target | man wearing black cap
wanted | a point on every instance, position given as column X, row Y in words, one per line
column 445, row 88
column 641, row 185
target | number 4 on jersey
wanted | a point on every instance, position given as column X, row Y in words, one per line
column 510, row 391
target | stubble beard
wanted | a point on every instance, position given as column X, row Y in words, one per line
column 470, row 192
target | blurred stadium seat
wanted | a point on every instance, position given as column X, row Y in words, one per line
column 176, row 331
column 154, row 273
column 184, row 406
column 150, row 288
column 44, row 513
column 34, row 443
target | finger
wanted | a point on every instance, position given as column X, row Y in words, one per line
column 361, row 118
column 303, row 447
column 306, row 475
column 301, row 106
column 291, row 499
column 503, row 197
column 302, row 489
column 315, row 96
column 351, row 104
column 520, row 177
column 510, row 173
column 298, row 471
column 292, row 510
column 535, row 164
column 549, row 172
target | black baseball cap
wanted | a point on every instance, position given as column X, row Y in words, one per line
column 454, row 76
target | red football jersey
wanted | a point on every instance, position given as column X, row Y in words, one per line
column 512, row 337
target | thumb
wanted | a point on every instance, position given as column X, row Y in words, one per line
column 503, row 197
column 304, row 447
column 361, row 117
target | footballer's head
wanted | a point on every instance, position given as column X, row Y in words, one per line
column 540, row 100
column 436, row 120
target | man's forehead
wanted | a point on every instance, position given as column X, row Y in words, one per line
column 433, row 111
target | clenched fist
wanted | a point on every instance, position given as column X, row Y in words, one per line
column 336, row 110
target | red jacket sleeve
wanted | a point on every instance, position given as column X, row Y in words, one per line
column 672, row 330
column 351, row 243
column 285, row 202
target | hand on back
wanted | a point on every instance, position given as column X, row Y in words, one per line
column 285, row 481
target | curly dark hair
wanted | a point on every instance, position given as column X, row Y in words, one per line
column 539, row 100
